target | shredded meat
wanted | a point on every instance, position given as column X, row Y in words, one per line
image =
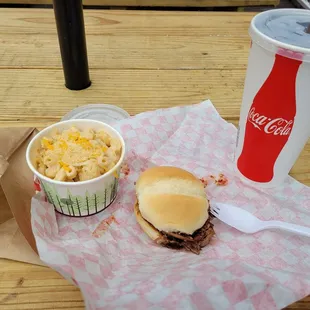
column 180, row 236
column 193, row 243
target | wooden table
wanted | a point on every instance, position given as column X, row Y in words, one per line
column 139, row 61
column 159, row 3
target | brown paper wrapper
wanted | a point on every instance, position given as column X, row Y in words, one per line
column 16, row 189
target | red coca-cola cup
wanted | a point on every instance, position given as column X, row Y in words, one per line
column 275, row 114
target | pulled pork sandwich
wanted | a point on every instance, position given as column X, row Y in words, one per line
column 172, row 208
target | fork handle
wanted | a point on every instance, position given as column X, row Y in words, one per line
column 297, row 229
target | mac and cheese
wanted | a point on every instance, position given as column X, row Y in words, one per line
column 75, row 155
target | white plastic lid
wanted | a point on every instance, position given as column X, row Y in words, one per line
column 266, row 32
column 100, row 112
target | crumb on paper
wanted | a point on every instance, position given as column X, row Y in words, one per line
column 104, row 225
column 204, row 181
column 221, row 180
column 125, row 169
column 37, row 185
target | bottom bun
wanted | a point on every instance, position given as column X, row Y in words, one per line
column 150, row 230
column 193, row 243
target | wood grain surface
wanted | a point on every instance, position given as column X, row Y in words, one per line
column 159, row 3
column 139, row 61
column 25, row 286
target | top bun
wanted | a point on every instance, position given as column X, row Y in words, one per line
column 172, row 200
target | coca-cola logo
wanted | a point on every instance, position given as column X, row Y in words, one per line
column 276, row 126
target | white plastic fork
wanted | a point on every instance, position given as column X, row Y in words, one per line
column 248, row 223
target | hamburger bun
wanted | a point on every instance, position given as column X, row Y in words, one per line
column 171, row 200
column 152, row 232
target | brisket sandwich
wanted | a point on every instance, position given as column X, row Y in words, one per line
column 172, row 208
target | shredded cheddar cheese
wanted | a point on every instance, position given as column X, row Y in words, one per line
column 47, row 144
column 74, row 136
column 74, row 155
column 63, row 145
column 64, row 166
column 83, row 142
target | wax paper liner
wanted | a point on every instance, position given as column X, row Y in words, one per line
column 123, row 269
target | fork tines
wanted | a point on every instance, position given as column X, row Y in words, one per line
column 214, row 210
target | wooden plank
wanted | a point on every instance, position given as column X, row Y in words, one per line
column 159, row 3
column 131, row 23
column 28, row 95
column 128, row 39
column 134, row 52
column 25, row 286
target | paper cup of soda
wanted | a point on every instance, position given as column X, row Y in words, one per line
column 68, row 191
column 274, row 120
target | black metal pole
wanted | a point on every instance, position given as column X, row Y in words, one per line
column 72, row 42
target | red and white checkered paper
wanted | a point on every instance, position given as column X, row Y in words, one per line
column 123, row 269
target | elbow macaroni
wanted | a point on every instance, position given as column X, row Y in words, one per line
column 74, row 155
